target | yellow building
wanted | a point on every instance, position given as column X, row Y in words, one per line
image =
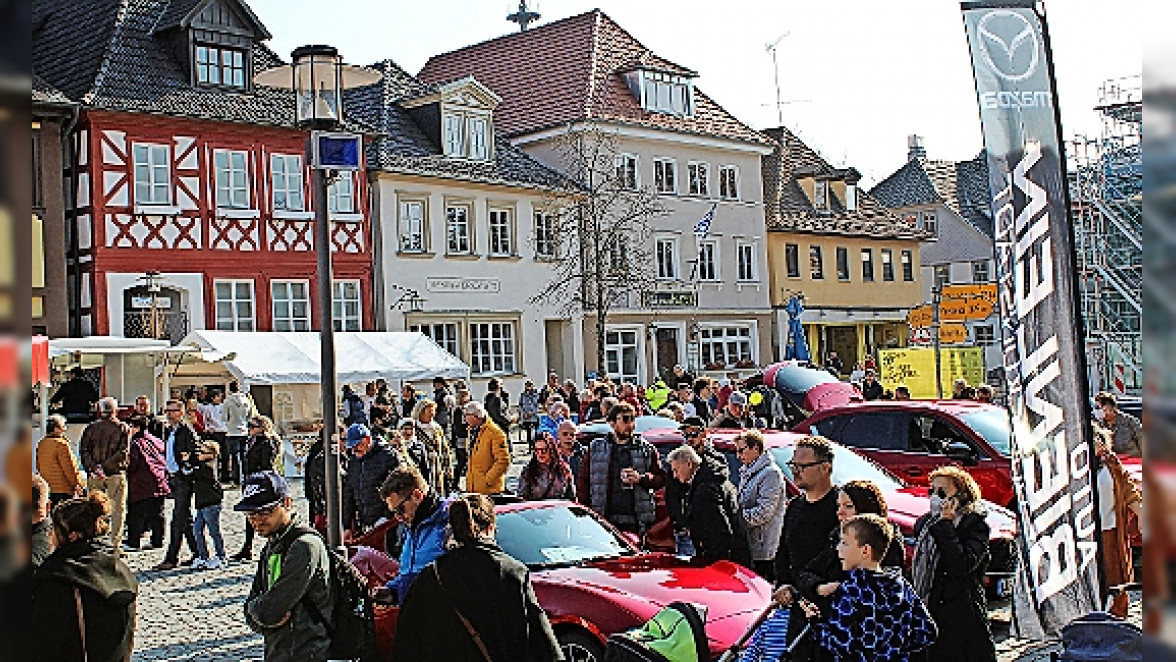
column 855, row 264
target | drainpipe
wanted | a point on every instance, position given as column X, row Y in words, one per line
column 71, row 217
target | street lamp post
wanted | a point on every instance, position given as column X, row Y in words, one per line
column 318, row 77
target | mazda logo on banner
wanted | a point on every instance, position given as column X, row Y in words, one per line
column 1057, row 578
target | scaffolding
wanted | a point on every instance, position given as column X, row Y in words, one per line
column 1106, row 191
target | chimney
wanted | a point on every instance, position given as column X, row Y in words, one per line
column 915, row 148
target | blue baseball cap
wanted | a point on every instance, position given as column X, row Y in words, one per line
column 262, row 490
column 357, row 433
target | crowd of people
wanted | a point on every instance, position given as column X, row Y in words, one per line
column 418, row 469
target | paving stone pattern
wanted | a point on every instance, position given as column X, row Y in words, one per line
column 189, row 615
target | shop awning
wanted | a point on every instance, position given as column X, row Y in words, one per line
column 108, row 345
column 40, row 360
column 293, row 357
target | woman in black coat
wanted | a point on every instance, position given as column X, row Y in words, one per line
column 951, row 557
column 488, row 588
column 261, row 454
column 84, row 568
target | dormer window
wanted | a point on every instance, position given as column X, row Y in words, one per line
column 661, row 92
column 821, row 195
column 220, row 67
column 467, row 135
column 851, row 197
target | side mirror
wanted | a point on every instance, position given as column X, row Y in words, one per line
column 961, row 452
column 633, row 538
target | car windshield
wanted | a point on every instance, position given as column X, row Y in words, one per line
column 993, row 425
column 642, row 425
column 847, row 466
column 800, row 379
column 557, row 535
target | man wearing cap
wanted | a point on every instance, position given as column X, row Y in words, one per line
column 713, row 469
column 734, row 415
column 371, row 462
column 291, row 594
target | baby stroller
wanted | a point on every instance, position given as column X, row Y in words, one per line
column 676, row 634
column 1099, row 636
column 767, row 638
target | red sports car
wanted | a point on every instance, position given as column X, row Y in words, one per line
column 592, row 581
column 912, row 438
column 906, row 504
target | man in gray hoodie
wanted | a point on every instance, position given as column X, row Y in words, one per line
column 293, row 575
column 238, row 409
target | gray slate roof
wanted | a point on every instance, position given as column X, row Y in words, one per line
column 788, row 208
column 404, row 148
column 46, row 95
column 103, row 54
column 961, row 185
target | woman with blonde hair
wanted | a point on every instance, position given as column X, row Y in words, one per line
column 951, row 557
column 432, row 436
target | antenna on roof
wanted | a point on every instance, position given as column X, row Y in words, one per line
column 524, row 17
column 771, row 48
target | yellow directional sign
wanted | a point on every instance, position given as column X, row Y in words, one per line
column 952, row 334
column 983, row 291
column 958, row 310
column 921, row 316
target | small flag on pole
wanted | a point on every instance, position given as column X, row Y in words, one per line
column 702, row 227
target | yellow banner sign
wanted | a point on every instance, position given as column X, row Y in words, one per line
column 985, row 291
column 914, row 367
column 952, row 334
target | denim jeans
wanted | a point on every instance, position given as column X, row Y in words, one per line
column 208, row 516
column 683, row 545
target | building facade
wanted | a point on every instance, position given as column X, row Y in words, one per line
column 192, row 207
column 949, row 200
column 456, row 253
column 53, row 116
column 710, row 307
column 852, row 262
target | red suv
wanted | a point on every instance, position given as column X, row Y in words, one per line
column 911, row 438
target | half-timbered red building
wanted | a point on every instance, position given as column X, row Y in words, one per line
column 184, row 168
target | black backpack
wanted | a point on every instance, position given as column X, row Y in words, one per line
column 351, row 625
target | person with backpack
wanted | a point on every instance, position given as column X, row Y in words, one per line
column 292, row 587
column 474, row 602
column 353, row 409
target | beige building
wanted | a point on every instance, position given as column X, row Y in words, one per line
column 855, row 264
column 710, row 307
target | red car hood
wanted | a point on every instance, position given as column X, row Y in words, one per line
column 644, row 585
column 827, row 396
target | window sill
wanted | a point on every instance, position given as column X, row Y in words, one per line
column 346, row 218
column 463, row 256
column 237, row 213
column 505, row 258
column 287, row 215
column 546, row 258
column 416, row 254
column 157, row 210
column 747, row 283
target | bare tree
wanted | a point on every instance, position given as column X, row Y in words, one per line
column 599, row 236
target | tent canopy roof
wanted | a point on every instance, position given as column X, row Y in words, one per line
column 293, row 357
column 110, row 345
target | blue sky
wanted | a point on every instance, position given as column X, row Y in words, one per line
column 857, row 76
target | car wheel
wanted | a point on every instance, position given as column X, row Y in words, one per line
column 579, row 646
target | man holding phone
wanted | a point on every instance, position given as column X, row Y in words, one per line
column 620, row 473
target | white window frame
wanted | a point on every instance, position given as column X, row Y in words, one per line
column 838, row 253
column 152, row 174
column 978, row 267
column 941, row 273
column 479, row 140
column 628, row 171
column 887, row 261
column 497, row 352
column 820, row 195
column 231, row 194
column 788, row 270
column 282, row 291
column 666, row 256
column 709, row 270
column 546, row 241
column 665, row 176
column 234, row 322
column 501, row 232
column 452, row 239
column 219, row 66
column 929, row 222
column 851, row 197
column 729, row 182
column 698, row 179
column 866, row 255
column 453, row 134
column 445, row 334
column 414, row 235
column 347, row 305
column 286, row 177
column 816, row 262
column 614, row 352
column 746, row 264
column 729, row 338
column 667, row 93
column 341, row 195
column 906, row 259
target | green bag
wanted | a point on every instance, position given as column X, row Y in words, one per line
column 675, row 634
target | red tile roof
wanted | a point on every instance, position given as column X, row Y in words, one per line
column 571, row 70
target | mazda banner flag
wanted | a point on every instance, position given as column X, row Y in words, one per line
column 1041, row 330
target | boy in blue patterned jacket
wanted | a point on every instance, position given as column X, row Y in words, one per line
column 875, row 616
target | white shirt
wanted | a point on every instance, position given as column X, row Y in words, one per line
column 214, row 417
column 1106, row 499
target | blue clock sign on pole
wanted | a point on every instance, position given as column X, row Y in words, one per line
column 336, row 151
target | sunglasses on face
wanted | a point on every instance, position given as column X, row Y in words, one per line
column 399, row 509
column 264, row 513
column 625, row 418
column 798, row 467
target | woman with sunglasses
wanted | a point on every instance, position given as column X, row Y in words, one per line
column 546, row 476
column 261, row 454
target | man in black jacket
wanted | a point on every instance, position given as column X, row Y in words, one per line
column 713, row 469
column 76, row 397
column 181, row 446
column 370, row 464
column 497, row 406
column 710, row 512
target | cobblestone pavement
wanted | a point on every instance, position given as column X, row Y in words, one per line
column 196, row 616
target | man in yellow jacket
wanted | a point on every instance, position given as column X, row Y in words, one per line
column 489, row 452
